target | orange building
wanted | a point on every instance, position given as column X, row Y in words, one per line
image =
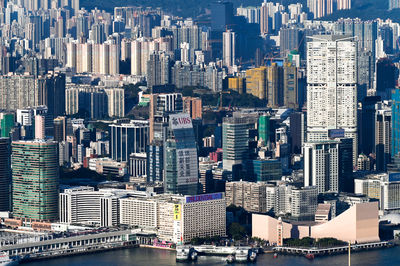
column 193, row 106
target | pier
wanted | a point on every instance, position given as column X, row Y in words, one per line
column 333, row 250
column 73, row 244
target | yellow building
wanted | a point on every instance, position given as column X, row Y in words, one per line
column 256, row 82
column 236, row 84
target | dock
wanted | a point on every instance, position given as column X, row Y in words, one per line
column 333, row 250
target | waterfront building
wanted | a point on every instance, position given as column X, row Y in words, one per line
column 83, row 205
column 359, row 224
column 35, row 179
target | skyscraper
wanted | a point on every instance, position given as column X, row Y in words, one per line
column 383, row 133
column 181, row 161
column 332, row 87
column 35, row 180
column 5, row 174
column 228, row 46
column 6, row 124
column 128, row 138
column 235, row 141
column 327, row 165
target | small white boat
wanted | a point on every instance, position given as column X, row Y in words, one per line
column 6, row 260
column 241, row 255
column 182, row 254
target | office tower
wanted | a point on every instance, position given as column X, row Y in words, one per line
column 62, row 128
column 328, row 165
column 365, row 73
column 155, row 161
column 386, row 33
column 235, row 141
column 290, row 86
column 251, row 196
column 267, row 170
column 228, row 46
column 367, row 121
column 395, row 123
column 5, row 174
column 332, row 88
column 116, row 102
column 383, row 128
column 264, row 128
column 128, row 138
column 193, row 106
column 161, row 105
column 40, row 129
column 35, row 179
column 304, row 203
column 297, row 131
column 7, row 122
column 180, row 157
column 386, row 78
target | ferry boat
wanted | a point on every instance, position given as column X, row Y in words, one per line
column 182, row 254
column 241, row 255
column 6, row 260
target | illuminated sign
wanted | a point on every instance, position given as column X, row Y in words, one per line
column 177, row 212
column 205, row 197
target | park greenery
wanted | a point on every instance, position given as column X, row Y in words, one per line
column 311, row 242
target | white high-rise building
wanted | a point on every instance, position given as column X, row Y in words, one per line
column 228, row 42
column 40, row 127
column 321, row 165
column 332, row 87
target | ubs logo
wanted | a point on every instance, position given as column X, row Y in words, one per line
column 181, row 121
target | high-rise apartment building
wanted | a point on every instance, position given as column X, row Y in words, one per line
column 5, row 174
column 332, row 88
column 249, row 195
column 35, row 180
column 116, row 102
column 228, row 46
column 40, row 129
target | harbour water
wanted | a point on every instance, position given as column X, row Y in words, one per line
column 147, row 256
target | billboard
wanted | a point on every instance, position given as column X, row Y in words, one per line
column 204, row 197
column 177, row 212
column 335, row 133
column 177, row 121
column 187, row 166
